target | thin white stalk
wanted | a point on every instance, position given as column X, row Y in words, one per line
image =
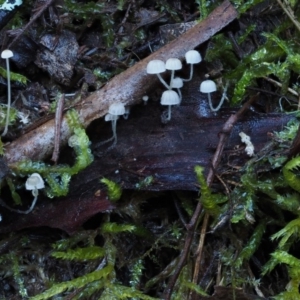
column 163, row 82
column 172, row 78
column 34, row 193
column 221, row 101
column 114, row 130
column 180, row 95
column 169, row 112
column 191, row 74
column 9, row 98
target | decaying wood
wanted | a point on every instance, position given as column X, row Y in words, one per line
column 67, row 214
column 168, row 153
column 128, row 87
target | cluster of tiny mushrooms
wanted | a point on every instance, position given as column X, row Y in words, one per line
column 117, row 109
column 169, row 97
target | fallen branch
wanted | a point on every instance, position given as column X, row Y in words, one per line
column 127, row 87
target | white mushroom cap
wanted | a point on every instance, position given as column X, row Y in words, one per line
column 207, row 86
column 177, row 83
column 169, row 98
column 116, row 109
column 110, row 117
column 173, row 64
column 10, row 5
column 156, row 66
column 6, row 54
column 193, row 57
column 34, row 182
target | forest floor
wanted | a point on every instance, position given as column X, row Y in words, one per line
column 202, row 206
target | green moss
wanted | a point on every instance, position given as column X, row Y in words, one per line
column 208, row 200
column 114, row 191
column 14, row 76
column 12, row 115
column 77, row 283
column 58, row 176
column 290, row 173
column 85, row 10
column 252, row 245
column 114, row 228
column 80, row 254
column 15, row 195
column 293, row 263
column 1, row 147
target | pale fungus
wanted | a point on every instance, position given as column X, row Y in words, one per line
column 177, row 83
column 169, row 98
column 7, row 54
column 145, row 99
column 115, row 110
column 157, row 66
column 208, row 86
column 173, row 64
column 33, row 183
column 192, row 57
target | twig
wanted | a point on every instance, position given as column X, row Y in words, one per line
column 200, row 248
column 58, row 118
column 280, row 85
column 202, row 238
column 127, row 87
column 256, row 285
column 287, row 9
column 210, row 177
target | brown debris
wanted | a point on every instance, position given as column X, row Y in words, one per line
column 58, row 56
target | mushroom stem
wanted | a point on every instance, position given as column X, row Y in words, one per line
column 169, row 112
column 163, row 82
column 34, row 193
column 172, row 78
column 114, row 130
column 9, row 98
column 191, row 74
column 220, row 103
column 180, row 95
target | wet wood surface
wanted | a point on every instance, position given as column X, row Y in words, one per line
column 146, row 147
column 169, row 152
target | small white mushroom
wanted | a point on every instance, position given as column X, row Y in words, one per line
column 115, row 110
column 157, row 66
column 145, row 98
column 177, row 84
column 10, row 5
column 192, row 57
column 7, row 54
column 208, row 86
column 33, row 183
column 173, row 64
column 169, row 98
